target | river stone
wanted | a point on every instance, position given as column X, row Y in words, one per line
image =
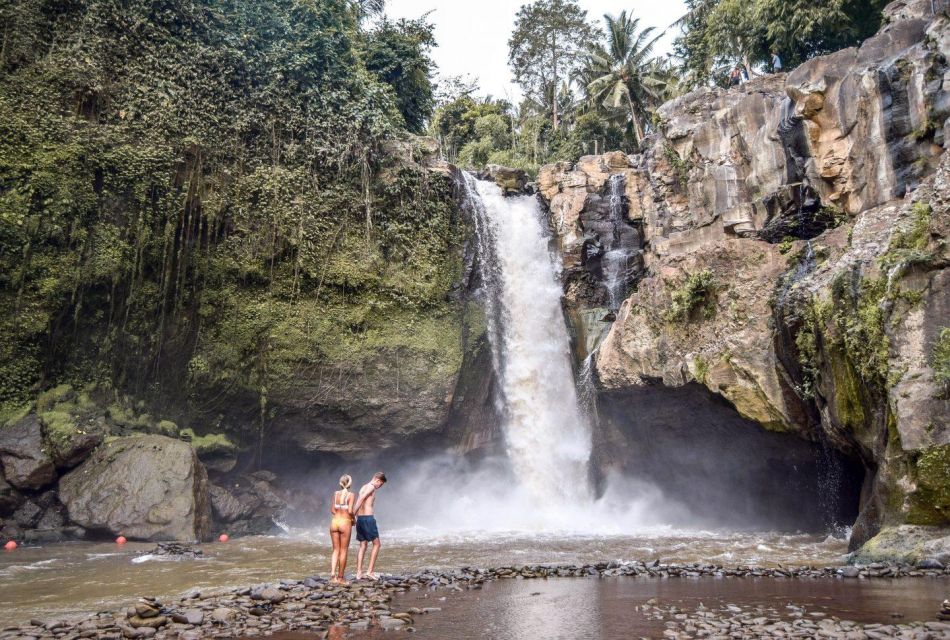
column 224, row 506
column 152, row 621
column 69, row 448
column 26, row 465
column 222, row 615
column 10, row 498
column 512, row 181
column 143, row 487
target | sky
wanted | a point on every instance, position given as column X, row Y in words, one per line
column 473, row 34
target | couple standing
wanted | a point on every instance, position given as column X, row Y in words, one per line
column 345, row 506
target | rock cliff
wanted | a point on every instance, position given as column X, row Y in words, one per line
column 792, row 259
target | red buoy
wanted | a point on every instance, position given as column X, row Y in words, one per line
column 10, row 545
column 223, row 537
column 121, row 540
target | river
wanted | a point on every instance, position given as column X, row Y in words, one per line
column 72, row 578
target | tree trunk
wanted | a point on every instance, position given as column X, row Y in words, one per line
column 554, row 84
column 637, row 129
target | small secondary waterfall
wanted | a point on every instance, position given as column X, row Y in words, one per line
column 547, row 434
column 616, row 258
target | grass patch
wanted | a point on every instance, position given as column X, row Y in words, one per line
column 695, row 296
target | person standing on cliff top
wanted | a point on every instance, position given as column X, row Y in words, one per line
column 776, row 63
column 366, row 529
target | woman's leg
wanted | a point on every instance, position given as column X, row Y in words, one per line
column 345, row 534
column 335, row 557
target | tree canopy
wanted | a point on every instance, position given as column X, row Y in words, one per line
column 397, row 53
column 190, row 193
column 545, row 47
column 718, row 34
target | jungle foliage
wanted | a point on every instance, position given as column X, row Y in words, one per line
column 191, row 199
column 719, row 34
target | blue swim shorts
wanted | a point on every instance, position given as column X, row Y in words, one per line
column 366, row 529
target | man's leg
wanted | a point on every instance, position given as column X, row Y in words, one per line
column 359, row 560
column 372, row 558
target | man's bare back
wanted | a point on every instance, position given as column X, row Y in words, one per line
column 368, row 496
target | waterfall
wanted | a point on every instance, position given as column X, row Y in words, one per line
column 616, row 258
column 547, row 435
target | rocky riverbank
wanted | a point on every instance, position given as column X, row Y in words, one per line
column 313, row 605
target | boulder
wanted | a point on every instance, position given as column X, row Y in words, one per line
column 143, row 487
column 907, row 544
column 224, row 506
column 26, row 464
column 10, row 498
column 512, row 181
column 68, row 443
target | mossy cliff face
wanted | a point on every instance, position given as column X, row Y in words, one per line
column 218, row 216
column 795, row 258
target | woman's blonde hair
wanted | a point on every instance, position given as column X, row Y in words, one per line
column 345, row 482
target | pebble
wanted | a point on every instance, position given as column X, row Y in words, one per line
column 313, row 605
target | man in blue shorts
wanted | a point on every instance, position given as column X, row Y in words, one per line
column 366, row 529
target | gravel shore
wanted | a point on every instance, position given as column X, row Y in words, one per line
column 313, row 605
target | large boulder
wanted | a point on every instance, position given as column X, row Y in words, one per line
column 26, row 465
column 10, row 498
column 143, row 487
column 68, row 442
column 511, row 181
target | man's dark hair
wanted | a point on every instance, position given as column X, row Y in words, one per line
column 379, row 475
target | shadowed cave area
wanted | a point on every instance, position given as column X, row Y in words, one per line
column 725, row 470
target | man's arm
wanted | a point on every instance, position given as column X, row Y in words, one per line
column 364, row 493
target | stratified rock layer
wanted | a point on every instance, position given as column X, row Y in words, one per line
column 794, row 237
column 142, row 487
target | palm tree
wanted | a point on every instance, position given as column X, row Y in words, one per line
column 368, row 8
column 624, row 74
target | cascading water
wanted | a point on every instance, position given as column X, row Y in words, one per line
column 547, row 434
column 616, row 258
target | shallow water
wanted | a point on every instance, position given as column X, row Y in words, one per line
column 603, row 609
column 73, row 578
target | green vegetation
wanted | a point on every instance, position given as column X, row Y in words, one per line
column 940, row 359
column 680, row 165
column 623, row 76
column 910, row 245
column 930, row 503
column 696, row 293
column 189, row 190
column 859, row 320
column 212, row 443
column 814, row 317
column 545, row 49
column 719, row 34
column 589, row 90
column 786, row 244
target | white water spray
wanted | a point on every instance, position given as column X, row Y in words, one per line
column 547, row 434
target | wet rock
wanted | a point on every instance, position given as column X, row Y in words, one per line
column 26, row 464
column 222, row 615
column 27, row 515
column 68, row 443
column 225, row 507
column 177, row 550
column 144, row 487
column 512, row 181
column 10, row 498
column 154, row 622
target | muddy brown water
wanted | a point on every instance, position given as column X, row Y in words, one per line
column 69, row 580
column 604, row 608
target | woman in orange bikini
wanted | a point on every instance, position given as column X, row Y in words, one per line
column 340, row 528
